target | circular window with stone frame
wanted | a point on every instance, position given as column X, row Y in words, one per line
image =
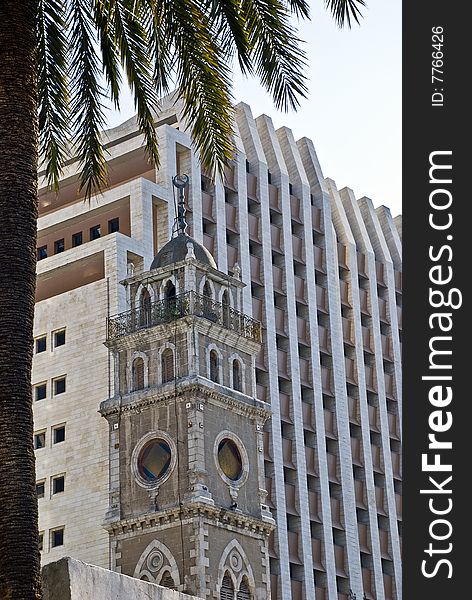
column 153, row 459
column 231, row 459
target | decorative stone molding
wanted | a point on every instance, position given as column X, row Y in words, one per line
column 233, row 521
column 155, row 562
column 235, row 562
column 234, row 486
column 150, row 485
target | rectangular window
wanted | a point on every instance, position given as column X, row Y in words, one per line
column 59, row 385
column 59, row 246
column 57, row 537
column 40, row 540
column 59, row 338
column 39, row 440
column 113, row 225
column 40, row 489
column 40, row 344
column 40, row 391
column 58, row 484
column 42, row 252
column 95, row 232
column 76, row 239
column 58, row 434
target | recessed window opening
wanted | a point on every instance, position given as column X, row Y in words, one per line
column 244, row 593
column 42, row 252
column 58, row 484
column 167, row 365
column 59, row 338
column 40, row 489
column 214, row 376
column 40, row 344
column 59, row 246
column 138, row 374
column 227, row 588
column 95, row 232
column 226, row 308
column 145, row 305
column 237, row 381
column 40, row 391
column 59, row 385
column 57, row 538
column 59, row 434
column 167, row 581
column 114, row 225
column 77, row 239
column 39, row 440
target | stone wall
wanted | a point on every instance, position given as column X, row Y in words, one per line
column 70, row 579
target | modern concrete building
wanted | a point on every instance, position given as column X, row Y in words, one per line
column 296, row 425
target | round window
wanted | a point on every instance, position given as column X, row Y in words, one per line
column 229, row 459
column 154, row 460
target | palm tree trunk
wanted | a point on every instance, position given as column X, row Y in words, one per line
column 19, row 556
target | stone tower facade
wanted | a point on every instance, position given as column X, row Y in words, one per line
column 187, row 490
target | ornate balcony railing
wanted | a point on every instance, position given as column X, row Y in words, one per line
column 190, row 303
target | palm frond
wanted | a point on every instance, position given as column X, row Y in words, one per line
column 204, row 83
column 87, row 97
column 134, row 44
column 300, row 8
column 53, row 98
column 161, row 51
column 102, row 11
column 279, row 59
column 345, row 10
column 226, row 23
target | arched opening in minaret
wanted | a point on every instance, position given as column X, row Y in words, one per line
column 207, row 290
column 214, row 375
column 225, row 306
column 167, row 580
column 138, row 374
column 208, row 302
column 169, row 291
column 244, row 593
column 170, row 296
column 227, row 588
column 167, row 364
column 237, row 380
column 145, row 308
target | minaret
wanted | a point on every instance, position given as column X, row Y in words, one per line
column 187, row 495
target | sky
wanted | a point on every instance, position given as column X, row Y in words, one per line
column 353, row 111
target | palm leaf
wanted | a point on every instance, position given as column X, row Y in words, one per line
column 102, row 11
column 53, row 100
column 87, row 97
column 133, row 41
column 203, row 82
column 345, row 10
column 277, row 53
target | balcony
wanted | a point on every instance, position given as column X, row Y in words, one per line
column 207, row 207
column 254, row 227
column 314, row 506
column 308, row 419
column 276, row 238
column 316, row 219
column 231, row 218
column 251, row 186
column 229, row 177
column 183, row 305
column 296, row 209
column 342, row 255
